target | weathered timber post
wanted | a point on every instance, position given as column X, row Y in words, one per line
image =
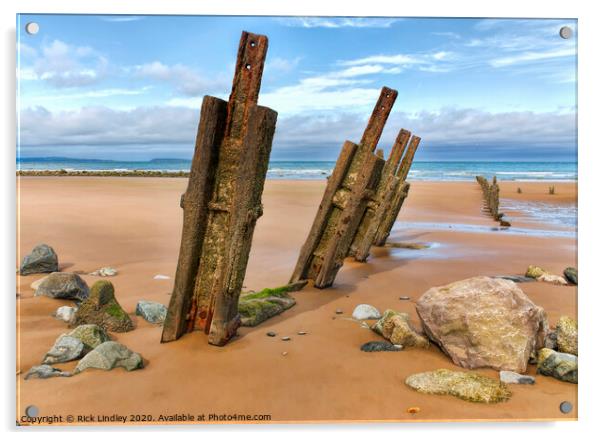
column 400, row 194
column 351, row 185
column 222, row 203
column 491, row 197
column 380, row 204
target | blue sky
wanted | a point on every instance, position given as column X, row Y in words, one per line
column 130, row 87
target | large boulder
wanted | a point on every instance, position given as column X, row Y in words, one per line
column 42, row 259
column 467, row 386
column 483, row 322
column 109, row 355
column 65, row 349
column 396, row 327
column 62, row 285
column 151, row 311
column 101, row 308
column 256, row 307
column 566, row 335
column 562, row 366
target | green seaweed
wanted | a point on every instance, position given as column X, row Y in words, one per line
column 115, row 310
column 281, row 292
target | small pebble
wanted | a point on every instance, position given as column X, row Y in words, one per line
column 271, row 334
column 404, row 298
column 284, row 353
column 338, row 311
column 413, row 410
column 301, row 333
column 286, row 338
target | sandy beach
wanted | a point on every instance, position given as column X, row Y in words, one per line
column 134, row 225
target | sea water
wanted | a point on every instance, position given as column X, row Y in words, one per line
column 318, row 170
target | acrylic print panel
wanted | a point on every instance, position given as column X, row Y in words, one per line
column 295, row 219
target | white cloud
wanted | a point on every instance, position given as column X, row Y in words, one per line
column 186, row 80
column 338, row 22
column 446, row 127
column 105, row 126
column 25, row 50
column 63, row 65
column 398, row 59
column 281, row 64
column 440, row 61
column 509, row 42
column 532, row 56
column 166, row 125
column 90, row 94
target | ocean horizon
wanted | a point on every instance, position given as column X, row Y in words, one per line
column 316, row 170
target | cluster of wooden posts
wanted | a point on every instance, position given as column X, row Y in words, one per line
column 491, row 197
column 222, row 202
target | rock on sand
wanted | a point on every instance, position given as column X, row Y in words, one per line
column 44, row 372
column 42, row 259
column 91, row 336
column 467, row 386
column 562, row 366
column 102, row 309
column 63, row 285
column 256, row 307
column 65, row 313
column 483, row 322
column 109, row 355
column 151, row 311
column 566, row 335
column 515, row 378
column 365, row 311
column 570, row 273
column 65, row 349
column 395, row 326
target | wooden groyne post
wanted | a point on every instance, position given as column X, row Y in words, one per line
column 400, row 193
column 352, row 184
column 222, row 203
column 381, row 203
column 491, row 198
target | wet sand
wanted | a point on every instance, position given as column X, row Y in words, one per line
column 134, row 224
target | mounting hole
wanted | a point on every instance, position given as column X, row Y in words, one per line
column 253, row 44
column 32, row 28
column 382, row 107
column 566, row 32
column 388, row 95
column 248, row 66
column 32, row 411
column 566, row 407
